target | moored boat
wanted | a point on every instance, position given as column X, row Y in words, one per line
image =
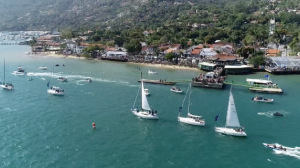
column 262, row 99
column 162, row 82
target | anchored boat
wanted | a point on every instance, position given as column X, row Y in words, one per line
column 262, row 99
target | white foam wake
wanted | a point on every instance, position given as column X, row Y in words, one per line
column 270, row 113
column 294, row 152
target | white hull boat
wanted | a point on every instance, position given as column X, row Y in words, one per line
column 56, row 91
column 261, row 99
column 232, row 125
column 20, row 71
column 7, row 87
column 88, row 80
column 152, row 72
column 147, row 92
column 176, row 90
column 191, row 121
column 62, row 79
column 146, row 112
column 230, row 131
column 42, row 68
column 145, row 115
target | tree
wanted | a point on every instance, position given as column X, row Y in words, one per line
column 134, row 46
column 169, row 56
column 258, row 60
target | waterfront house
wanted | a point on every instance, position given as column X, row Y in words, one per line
column 208, row 52
column 272, row 52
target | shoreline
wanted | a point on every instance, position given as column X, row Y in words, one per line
column 52, row 54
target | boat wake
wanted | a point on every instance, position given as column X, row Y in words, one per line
column 294, row 152
column 79, row 78
column 270, row 113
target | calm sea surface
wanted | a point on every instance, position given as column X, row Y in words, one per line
column 42, row 130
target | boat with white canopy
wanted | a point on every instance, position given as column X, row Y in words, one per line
column 151, row 72
column 4, row 85
column 232, row 126
column 145, row 112
column 190, row 119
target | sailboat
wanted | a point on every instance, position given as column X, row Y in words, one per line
column 232, row 125
column 55, row 90
column 6, row 86
column 145, row 111
column 190, row 119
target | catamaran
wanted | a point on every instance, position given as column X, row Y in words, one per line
column 232, row 126
column 55, row 90
column 146, row 112
column 190, row 119
column 6, row 86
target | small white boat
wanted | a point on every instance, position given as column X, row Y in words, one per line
column 176, row 89
column 20, row 71
column 151, row 72
column 62, row 79
column 42, row 68
column 147, row 92
column 146, row 112
column 190, row 119
column 274, row 147
column 56, row 91
column 6, row 86
column 232, row 126
column 88, row 79
column 30, row 79
column 262, row 99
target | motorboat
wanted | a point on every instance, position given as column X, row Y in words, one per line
column 20, row 71
column 7, row 86
column 176, row 89
column 151, row 72
column 146, row 112
column 261, row 82
column 262, row 99
column 274, row 147
column 277, row 114
column 30, row 79
column 232, row 126
column 190, row 119
column 147, row 92
column 42, row 68
column 57, row 65
column 88, row 79
column 56, row 91
column 62, row 79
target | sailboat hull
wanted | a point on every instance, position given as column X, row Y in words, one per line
column 230, row 131
column 7, row 87
column 191, row 121
column 145, row 115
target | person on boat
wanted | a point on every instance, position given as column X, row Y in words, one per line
column 149, row 111
column 274, row 146
column 51, row 87
column 155, row 112
column 63, row 64
column 159, row 80
column 280, row 147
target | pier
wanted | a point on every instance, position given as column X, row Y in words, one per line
column 257, row 88
column 10, row 43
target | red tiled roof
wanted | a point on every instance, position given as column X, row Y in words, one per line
column 196, row 51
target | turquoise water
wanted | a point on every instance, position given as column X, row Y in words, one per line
column 42, row 130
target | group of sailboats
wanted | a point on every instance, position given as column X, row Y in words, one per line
column 232, row 126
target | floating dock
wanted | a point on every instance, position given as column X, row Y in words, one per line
column 208, row 85
column 161, row 82
column 257, row 88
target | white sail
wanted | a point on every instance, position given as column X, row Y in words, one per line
column 232, row 119
column 145, row 104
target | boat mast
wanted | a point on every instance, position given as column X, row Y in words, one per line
column 4, row 71
column 189, row 103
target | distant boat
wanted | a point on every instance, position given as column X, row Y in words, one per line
column 262, row 99
column 147, row 92
column 57, row 65
column 151, row 72
column 274, row 147
column 146, row 112
column 62, row 79
column 30, row 79
column 6, row 86
column 42, row 68
column 88, row 79
column 278, row 114
column 55, row 90
column 232, row 126
column 20, row 71
column 190, row 119
column 176, row 89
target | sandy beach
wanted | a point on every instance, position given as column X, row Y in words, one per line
column 53, row 54
column 165, row 66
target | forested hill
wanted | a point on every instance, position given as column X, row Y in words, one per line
column 147, row 14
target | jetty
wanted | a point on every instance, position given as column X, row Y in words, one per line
column 210, row 80
column 256, row 88
column 161, row 82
